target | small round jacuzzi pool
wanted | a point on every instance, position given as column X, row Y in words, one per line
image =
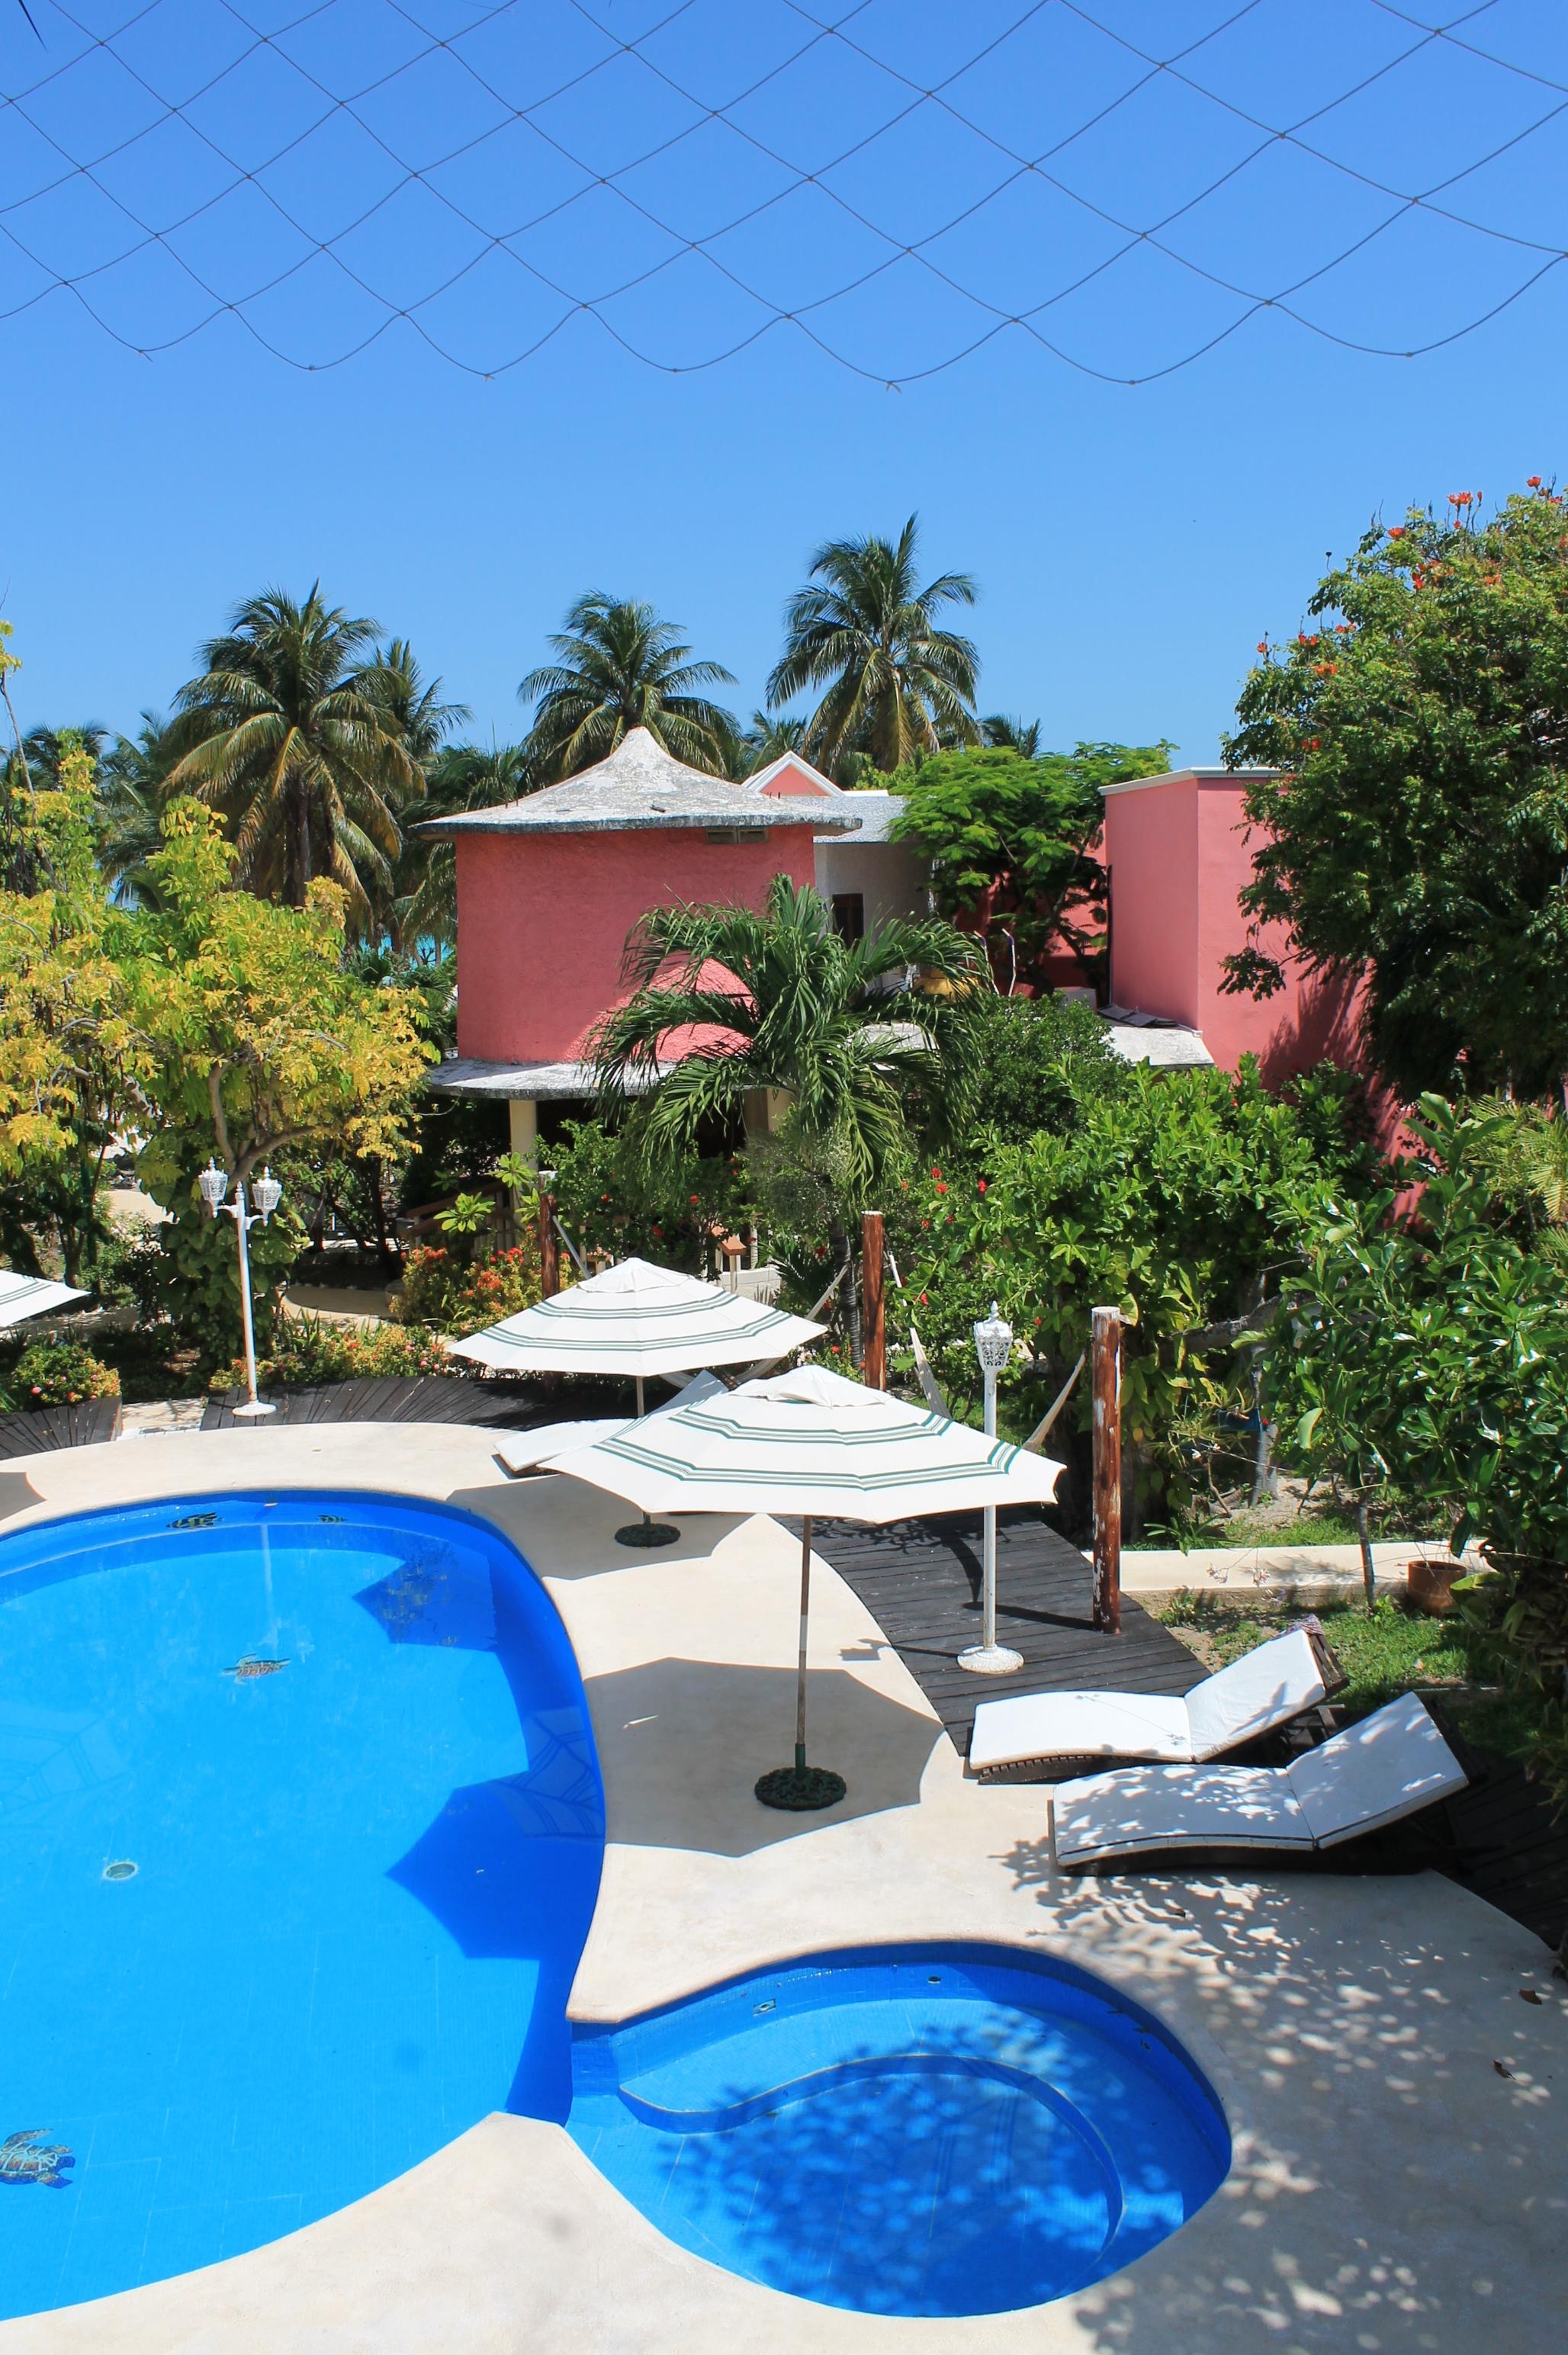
column 949, row 2130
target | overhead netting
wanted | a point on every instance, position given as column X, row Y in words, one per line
column 1127, row 183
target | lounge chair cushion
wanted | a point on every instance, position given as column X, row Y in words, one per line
column 1384, row 1766
column 1266, row 1687
column 1079, row 1725
column 1389, row 1765
column 528, row 1450
column 1137, row 1808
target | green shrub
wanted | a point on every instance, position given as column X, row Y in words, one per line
column 57, row 1373
column 310, row 1350
column 447, row 1294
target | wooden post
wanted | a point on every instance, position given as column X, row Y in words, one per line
column 875, row 1362
column 1105, row 1351
column 549, row 1249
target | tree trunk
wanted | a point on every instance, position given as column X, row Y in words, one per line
column 1364, row 1538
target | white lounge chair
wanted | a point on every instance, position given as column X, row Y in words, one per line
column 523, row 1457
column 1389, row 1765
column 1263, row 1689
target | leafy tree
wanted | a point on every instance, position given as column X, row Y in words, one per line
column 1417, row 826
column 779, row 1001
column 1171, row 1194
column 897, row 684
column 1426, row 1352
column 1039, row 1063
column 1011, row 841
column 618, row 667
column 65, row 1060
column 289, row 734
column 252, row 1042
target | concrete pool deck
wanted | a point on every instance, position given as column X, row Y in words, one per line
column 1400, row 2114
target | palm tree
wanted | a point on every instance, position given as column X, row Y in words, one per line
column 896, row 684
column 132, row 779
column 287, row 734
column 415, row 708
column 780, row 1000
column 1012, row 735
column 460, row 777
column 619, row 667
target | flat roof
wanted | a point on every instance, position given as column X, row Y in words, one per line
column 1187, row 777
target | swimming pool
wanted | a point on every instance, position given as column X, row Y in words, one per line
column 301, row 1830
column 946, row 2130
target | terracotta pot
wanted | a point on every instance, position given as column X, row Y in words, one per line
column 1430, row 1584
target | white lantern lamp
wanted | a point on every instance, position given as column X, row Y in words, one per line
column 994, row 1348
column 267, row 1194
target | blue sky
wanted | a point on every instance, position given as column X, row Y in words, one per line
column 1131, row 544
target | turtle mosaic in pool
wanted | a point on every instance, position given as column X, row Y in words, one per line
column 948, row 2130
column 266, row 1940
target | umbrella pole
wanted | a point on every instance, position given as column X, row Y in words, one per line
column 801, row 1788
column 645, row 1532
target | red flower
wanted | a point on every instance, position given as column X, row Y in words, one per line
column 925, row 1222
column 982, row 1185
column 942, row 1190
column 1533, row 481
column 925, row 1299
column 1396, row 531
column 691, row 1197
column 1263, row 646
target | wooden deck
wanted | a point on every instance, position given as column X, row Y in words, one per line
column 86, row 1425
column 920, row 1581
column 418, row 1398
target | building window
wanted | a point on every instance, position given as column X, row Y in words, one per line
column 850, row 915
column 735, row 833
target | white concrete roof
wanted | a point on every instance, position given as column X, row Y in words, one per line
column 1187, row 777
column 1147, row 1038
column 876, row 811
column 641, row 786
column 469, row 1075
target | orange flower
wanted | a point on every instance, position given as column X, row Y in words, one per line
column 1533, row 482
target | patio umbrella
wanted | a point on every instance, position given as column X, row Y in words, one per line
column 32, row 1295
column 638, row 1319
column 809, row 1443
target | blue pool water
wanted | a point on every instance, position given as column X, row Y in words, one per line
column 361, row 1882
column 948, row 2131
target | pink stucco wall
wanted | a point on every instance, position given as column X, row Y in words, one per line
column 1179, row 857
column 542, row 921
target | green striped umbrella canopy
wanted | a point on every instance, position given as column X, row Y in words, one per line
column 814, row 1444
column 637, row 1319
column 810, row 1441
column 32, row 1295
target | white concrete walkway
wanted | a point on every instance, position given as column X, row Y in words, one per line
column 1392, row 2190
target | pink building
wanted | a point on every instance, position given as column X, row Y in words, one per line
column 549, row 887
column 1177, row 851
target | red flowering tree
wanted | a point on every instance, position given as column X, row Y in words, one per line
column 1417, row 826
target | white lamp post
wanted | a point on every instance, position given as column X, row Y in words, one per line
column 993, row 1346
column 266, row 1193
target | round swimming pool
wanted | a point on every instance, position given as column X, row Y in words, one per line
column 950, row 2131
column 300, row 1836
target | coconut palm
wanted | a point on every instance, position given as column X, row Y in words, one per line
column 287, row 733
column 1012, row 735
column 779, row 1000
column 132, row 778
column 897, row 685
column 619, row 667
column 413, row 705
column 460, row 778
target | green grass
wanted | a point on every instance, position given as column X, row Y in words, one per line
column 1384, row 1652
column 1311, row 1527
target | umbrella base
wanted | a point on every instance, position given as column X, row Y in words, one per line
column 801, row 1789
column 991, row 1660
column 647, row 1533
